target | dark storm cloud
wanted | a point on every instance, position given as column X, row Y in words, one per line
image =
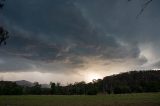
column 119, row 19
column 11, row 64
column 68, row 31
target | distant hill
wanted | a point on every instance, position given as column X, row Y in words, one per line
column 30, row 84
column 45, row 86
column 133, row 81
column 127, row 82
column 24, row 83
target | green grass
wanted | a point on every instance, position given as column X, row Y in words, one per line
column 143, row 99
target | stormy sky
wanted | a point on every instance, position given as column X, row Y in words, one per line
column 74, row 40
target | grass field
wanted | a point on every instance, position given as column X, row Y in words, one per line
column 144, row 99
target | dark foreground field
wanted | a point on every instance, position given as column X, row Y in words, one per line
column 147, row 99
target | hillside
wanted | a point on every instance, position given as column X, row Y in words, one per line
column 24, row 83
column 134, row 81
column 128, row 82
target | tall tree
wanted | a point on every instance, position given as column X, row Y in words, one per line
column 2, row 3
column 3, row 33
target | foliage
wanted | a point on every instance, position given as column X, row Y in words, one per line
column 10, row 88
column 129, row 82
column 3, row 33
column 134, row 81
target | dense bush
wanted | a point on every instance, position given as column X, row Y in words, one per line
column 129, row 82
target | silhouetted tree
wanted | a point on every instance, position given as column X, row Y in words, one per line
column 3, row 36
column 36, row 89
column 10, row 88
column 128, row 82
column 2, row 3
column 134, row 81
column 53, row 88
column 91, row 89
column 3, row 33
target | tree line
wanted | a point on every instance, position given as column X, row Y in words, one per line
column 128, row 82
column 133, row 82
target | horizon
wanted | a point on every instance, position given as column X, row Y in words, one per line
column 65, row 84
column 69, row 41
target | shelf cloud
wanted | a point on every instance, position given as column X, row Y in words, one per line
column 66, row 36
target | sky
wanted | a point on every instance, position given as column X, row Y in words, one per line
column 78, row 40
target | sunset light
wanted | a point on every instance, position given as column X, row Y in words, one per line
column 92, row 76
